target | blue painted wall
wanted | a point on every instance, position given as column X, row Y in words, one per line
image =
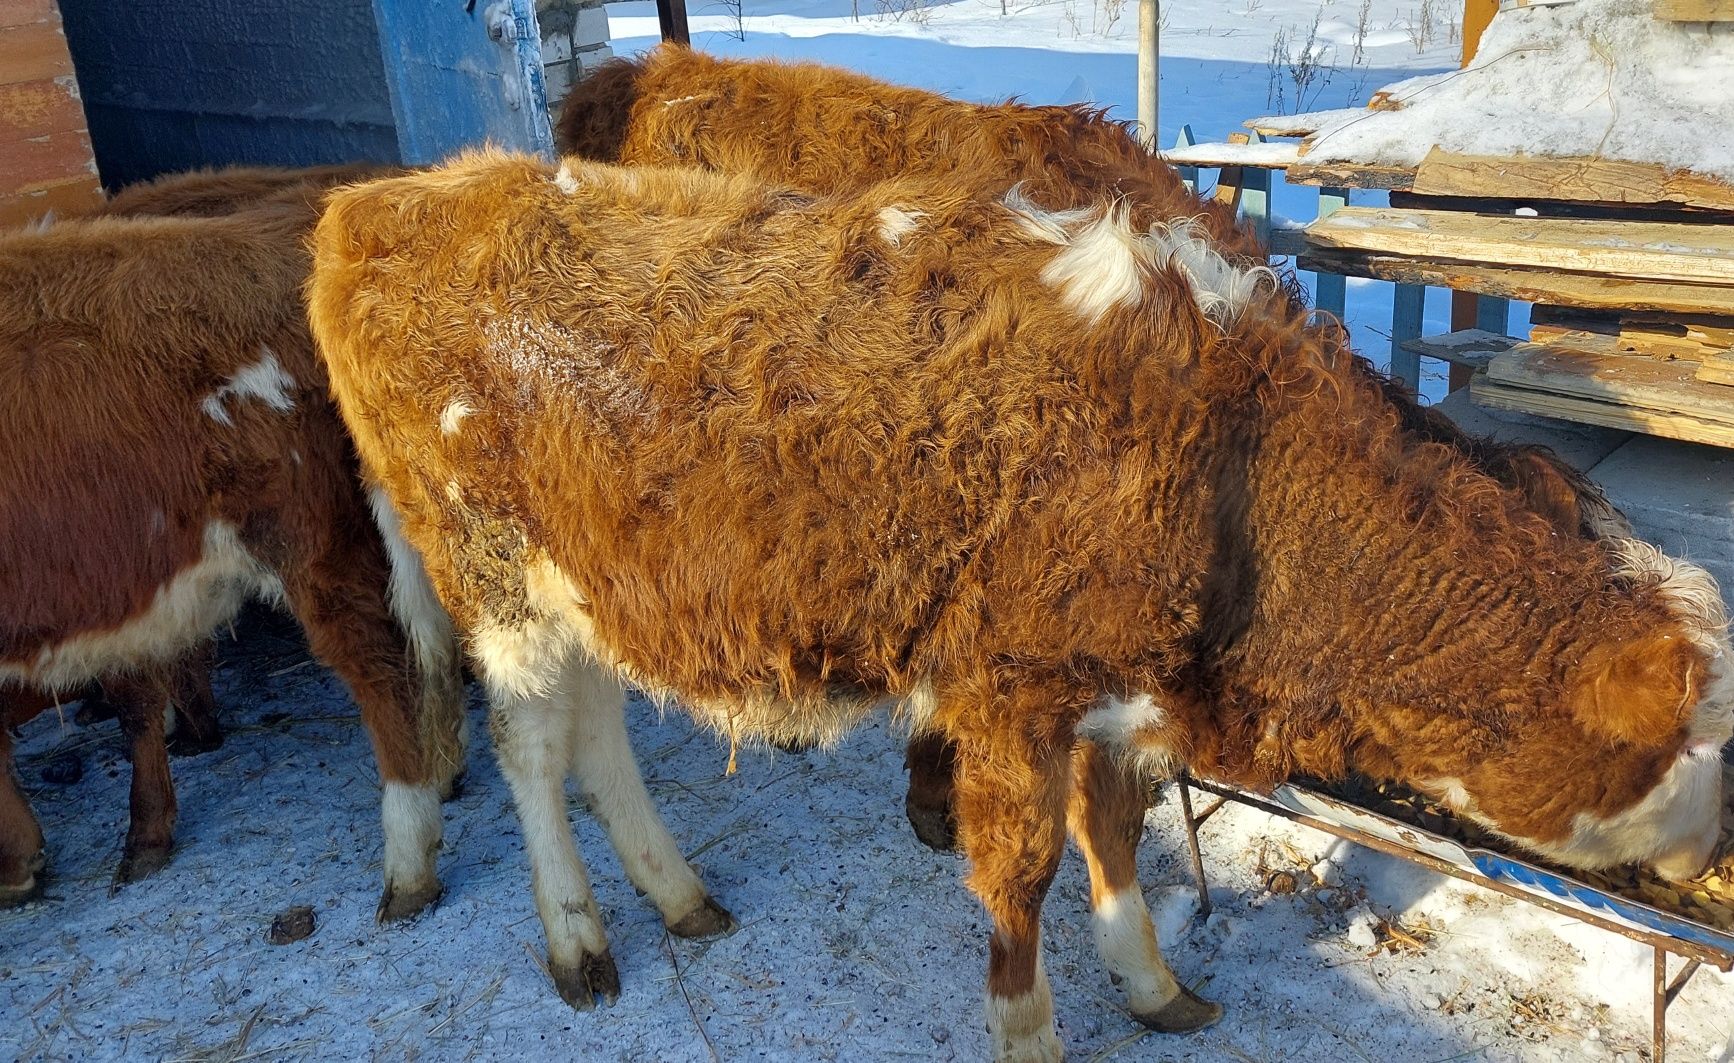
column 177, row 84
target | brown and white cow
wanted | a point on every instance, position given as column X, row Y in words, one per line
column 1029, row 474
column 824, row 130
column 168, row 450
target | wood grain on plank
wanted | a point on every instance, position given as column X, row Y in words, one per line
column 1443, row 173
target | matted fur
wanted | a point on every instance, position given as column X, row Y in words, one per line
column 825, row 130
column 736, row 443
column 168, row 451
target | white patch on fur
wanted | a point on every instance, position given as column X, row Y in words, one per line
column 411, row 819
column 920, row 705
column 565, row 181
column 1126, row 941
column 184, row 611
column 1103, row 261
column 680, row 100
column 1449, row 791
column 1221, row 288
column 1021, row 1028
column 264, row 381
column 1116, row 723
column 895, row 223
column 453, row 416
column 1697, row 603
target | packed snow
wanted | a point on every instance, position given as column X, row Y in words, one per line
column 856, row 943
column 1588, row 79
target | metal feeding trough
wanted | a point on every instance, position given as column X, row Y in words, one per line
column 1664, row 931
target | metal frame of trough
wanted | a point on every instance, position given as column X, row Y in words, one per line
column 1711, row 946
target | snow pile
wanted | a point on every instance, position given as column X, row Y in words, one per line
column 1598, row 78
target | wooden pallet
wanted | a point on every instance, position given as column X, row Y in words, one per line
column 1682, row 253
column 1628, row 392
column 1525, row 285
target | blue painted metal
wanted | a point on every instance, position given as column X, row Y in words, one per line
column 1330, row 290
column 177, row 84
column 1255, row 194
column 463, row 77
column 1406, row 303
column 1492, row 314
column 1509, row 869
column 1188, row 174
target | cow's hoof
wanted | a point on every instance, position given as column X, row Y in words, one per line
column 1184, row 1014
column 15, row 894
column 140, row 863
column 399, row 903
column 592, row 976
column 934, row 825
column 709, row 919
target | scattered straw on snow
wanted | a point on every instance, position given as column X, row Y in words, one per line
column 1595, row 78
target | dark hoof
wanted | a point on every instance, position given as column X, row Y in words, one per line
column 591, row 977
column 63, row 770
column 397, row 905
column 1184, row 1014
column 933, row 825
column 140, row 863
column 709, row 919
column 14, row 894
column 187, row 743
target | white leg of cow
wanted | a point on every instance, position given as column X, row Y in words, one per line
column 533, row 733
column 607, row 771
column 1105, row 814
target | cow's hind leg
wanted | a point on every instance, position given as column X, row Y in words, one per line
column 606, row 770
column 139, row 703
column 196, row 727
column 21, row 850
column 931, row 760
column 534, row 730
column 1106, row 817
column 1011, row 799
column 337, row 589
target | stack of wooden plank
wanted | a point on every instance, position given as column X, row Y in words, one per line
column 1635, row 321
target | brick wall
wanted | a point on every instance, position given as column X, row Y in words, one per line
column 45, row 157
column 574, row 41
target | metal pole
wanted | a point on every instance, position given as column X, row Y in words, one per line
column 671, row 18
column 1192, row 842
column 1149, row 50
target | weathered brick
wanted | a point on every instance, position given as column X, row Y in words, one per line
column 33, row 51
column 37, row 108
column 65, row 197
column 26, row 165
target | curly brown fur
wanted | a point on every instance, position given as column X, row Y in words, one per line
column 783, row 458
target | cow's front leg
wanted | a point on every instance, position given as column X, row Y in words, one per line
column 1010, row 801
column 1106, row 817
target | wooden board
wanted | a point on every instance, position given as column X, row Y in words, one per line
column 1499, row 396
column 1695, row 10
column 1593, row 180
column 1624, row 380
column 1717, row 370
column 1701, row 254
column 1472, row 347
column 1349, row 175
column 1237, row 152
column 1692, row 337
column 1526, row 285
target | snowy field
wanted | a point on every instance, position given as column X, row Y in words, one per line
column 856, row 942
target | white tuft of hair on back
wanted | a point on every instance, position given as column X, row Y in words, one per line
column 1221, row 288
column 1102, row 267
column 565, row 181
column 1047, row 226
column 897, row 222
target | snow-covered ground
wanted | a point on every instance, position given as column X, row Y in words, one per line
column 856, row 943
